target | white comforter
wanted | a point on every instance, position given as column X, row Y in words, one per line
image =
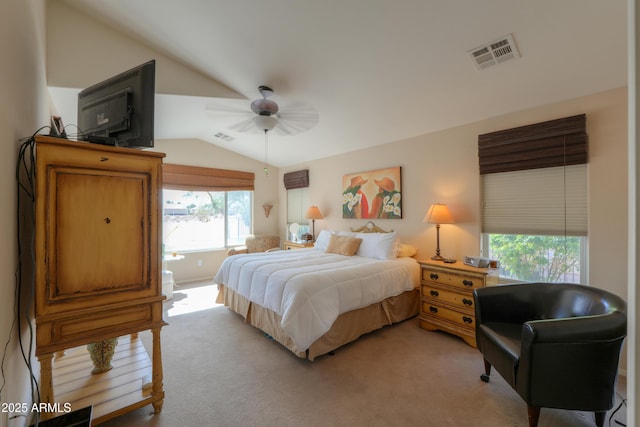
column 309, row 288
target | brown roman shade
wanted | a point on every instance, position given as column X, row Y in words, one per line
column 558, row 142
column 534, row 179
column 182, row 177
column 297, row 179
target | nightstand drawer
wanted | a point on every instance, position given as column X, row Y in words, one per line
column 440, row 312
column 468, row 282
column 463, row 301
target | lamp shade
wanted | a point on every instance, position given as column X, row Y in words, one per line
column 313, row 213
column 438, row 214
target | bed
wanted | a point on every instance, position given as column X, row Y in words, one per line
column 315, row 300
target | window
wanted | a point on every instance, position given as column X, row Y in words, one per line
column 205, row 220
column 535, row 223
column 205, row 208
column 537, row 258
column 535, row 201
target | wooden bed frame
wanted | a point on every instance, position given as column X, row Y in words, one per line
column 347, row 327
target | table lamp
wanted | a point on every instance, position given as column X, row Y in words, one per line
column 438, row 214
column 313, row 213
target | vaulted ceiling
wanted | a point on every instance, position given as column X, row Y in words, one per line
column 374, row 71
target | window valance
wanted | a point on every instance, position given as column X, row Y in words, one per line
column 297, row 179
column 183, row 177
column 559, row 142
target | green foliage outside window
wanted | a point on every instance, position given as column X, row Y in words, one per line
column 537, row 258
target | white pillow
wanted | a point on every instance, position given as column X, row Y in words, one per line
column 379, row 245
column 322, row 241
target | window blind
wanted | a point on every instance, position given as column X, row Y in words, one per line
column 547, row 201
column 183, row 177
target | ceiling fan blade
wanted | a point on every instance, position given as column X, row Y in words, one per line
column 297, row 118
column 246, row 125
column 284, row 128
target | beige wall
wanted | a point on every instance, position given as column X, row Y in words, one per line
column 23, row 110
column 194, row 152
column 443, row 167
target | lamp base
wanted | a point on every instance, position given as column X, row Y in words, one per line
column 437, row 258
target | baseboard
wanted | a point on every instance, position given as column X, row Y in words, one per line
column 195, row 280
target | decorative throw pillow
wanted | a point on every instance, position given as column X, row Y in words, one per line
column 343, row 245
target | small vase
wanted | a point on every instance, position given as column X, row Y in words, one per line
column 101, row 354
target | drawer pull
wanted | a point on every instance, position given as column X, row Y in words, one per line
column 466, row 301
column 467, row 319
column 433, row 276
column 467, row 282
column 433, row 309
column 434, row 293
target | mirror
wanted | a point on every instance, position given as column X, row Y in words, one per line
column 297, row 205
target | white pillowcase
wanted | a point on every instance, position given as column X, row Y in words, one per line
column 379, row 245
column 322, row 241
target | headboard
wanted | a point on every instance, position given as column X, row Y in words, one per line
column 370, row 227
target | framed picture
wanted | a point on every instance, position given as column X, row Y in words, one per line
column 57, row 128
column 372, row 194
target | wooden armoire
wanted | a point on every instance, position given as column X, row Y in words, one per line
column 97, row 273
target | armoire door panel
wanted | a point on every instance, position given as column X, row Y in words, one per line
column 91, row 210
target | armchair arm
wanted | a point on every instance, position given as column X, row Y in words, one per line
column 587, row 329
column 583, row 351
column 238, row 250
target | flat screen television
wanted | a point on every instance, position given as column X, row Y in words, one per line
column 120, row 110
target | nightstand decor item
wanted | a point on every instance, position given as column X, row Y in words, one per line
column 313, row 213
column 438, row 214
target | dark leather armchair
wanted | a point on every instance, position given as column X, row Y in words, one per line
column 557, row 345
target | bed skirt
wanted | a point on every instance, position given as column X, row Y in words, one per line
column 347, row 327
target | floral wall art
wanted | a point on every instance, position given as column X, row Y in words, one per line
column 372, row 194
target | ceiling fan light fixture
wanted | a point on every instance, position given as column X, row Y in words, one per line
column 265, row 123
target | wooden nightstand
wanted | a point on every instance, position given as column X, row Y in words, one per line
column 297, row 245
column 447, row 297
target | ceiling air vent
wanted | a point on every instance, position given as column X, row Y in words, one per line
column 223, row 136
column 490, row 54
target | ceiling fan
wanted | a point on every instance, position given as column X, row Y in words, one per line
column 265, row 114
